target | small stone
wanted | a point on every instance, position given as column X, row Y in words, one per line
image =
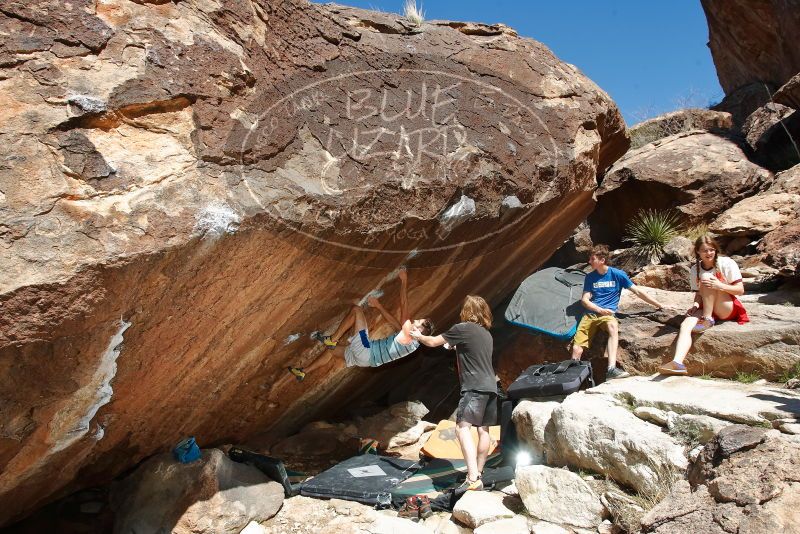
column 478, row 507
column 790, row 428
column 253, row 528
column 558, row 495
column 654, row 415
column 606, row 527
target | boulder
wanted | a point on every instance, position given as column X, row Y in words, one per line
column 699, row 174
column 599, row 433
column 781, row 248
column 679, row 249
column 789, row 93
column 530, row 420
column 682, row 120
column 558, row 496
column 211, row 495
column 476, row 508
column 764, row 212
column 753, row 42
column 668, row 277
column 772, row 131
column 397, row 425
column 741, row 102
column 752, row 489
column 198, row 186
column 443, row 523
column 721, row 399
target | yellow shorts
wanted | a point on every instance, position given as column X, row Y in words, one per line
column 588, row 327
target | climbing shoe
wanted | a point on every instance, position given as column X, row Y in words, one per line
column 298, row 373
column 325, row 340
column 410, row 509
column 673, row 368
column 424, row 507
column 475, row 485
column 615, row 372
column 703, row 324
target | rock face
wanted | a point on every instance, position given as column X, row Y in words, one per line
column 597, row 432
column 696, row 173
column 679, row 121
column 772, row 131
column 747, row 486
column 775, row 208
column 753, row 41
column 196, row 187
column 211, row 495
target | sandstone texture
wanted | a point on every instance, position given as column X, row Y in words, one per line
column 772, row 132
column 789, row 93
column 753, row 41
column 679, row 121
column 558, row 496
column 697, row 173
column 192, row 188
column 747, row 486
column 209, row 496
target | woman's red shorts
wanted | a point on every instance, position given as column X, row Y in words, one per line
column 738, row 314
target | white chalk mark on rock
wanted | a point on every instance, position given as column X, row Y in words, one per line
column 291, row 338
column 77, row 416
column 216, row 219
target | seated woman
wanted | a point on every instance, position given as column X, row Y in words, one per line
column 717, row 281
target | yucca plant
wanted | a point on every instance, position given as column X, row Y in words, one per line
column 412, row 13
column 650, row 231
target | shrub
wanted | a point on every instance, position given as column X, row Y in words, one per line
column 746, row 378
column 650, row 231
column 412, row 13
column 692, row 232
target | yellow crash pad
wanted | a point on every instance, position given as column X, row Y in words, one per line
column 443, row 443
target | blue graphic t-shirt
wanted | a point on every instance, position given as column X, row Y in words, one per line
column 606, row 288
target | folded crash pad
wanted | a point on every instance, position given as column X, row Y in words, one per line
column 443, row 443
column 548, row 302
column 368, row 479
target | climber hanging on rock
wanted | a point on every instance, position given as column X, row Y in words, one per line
column 358, row 350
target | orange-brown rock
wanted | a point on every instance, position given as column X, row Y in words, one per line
column 190, row 189
column 753, row 41
column 696, row 173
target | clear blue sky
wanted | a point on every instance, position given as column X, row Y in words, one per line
column 650, row 56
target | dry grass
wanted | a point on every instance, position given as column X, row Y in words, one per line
column 629, row 517
column 414, row 14
column 692, row 232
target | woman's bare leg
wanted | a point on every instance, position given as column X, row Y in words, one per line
column 684, row 342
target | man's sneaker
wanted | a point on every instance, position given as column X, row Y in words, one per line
column 298, row 373
column 424, row 507
column 616, row 372
column 325, row 340
column 672, row 368
column 410, row 509
column 474, row 485
column 703, row 324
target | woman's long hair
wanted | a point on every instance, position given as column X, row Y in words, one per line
column 476, row 310
column 709, row 240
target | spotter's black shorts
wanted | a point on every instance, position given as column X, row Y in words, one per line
column 477, row 408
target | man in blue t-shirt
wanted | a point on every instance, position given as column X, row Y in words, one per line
column 602, row 289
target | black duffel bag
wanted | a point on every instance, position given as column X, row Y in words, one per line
column 552, row 379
